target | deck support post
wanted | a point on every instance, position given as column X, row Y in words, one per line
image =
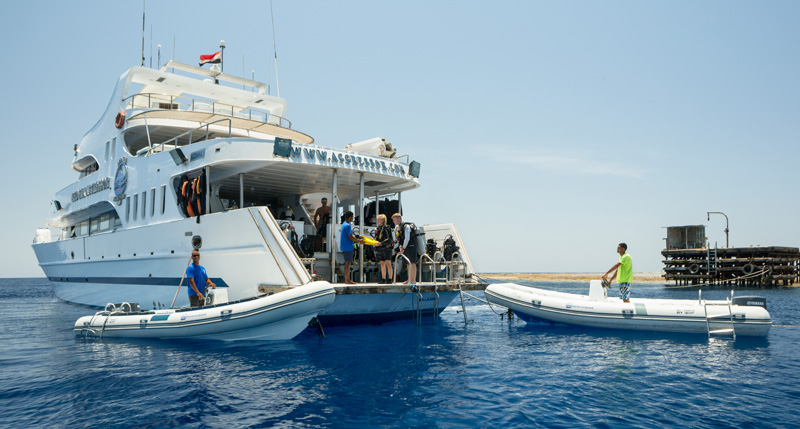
column 361, row 225
column 334, row 215
column 241, row 190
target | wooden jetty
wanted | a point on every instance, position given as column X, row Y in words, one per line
column 756, row 266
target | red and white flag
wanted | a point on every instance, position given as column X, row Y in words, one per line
column 213, row 59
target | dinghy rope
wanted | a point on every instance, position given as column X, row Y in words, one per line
column 490, row 305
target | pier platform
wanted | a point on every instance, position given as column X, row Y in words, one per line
column 756, row 266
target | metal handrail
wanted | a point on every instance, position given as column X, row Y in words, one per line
column 433, row 263
column 262, row 116
column 192, row 131
column 458, row 255
column 441, row 258
column 396, row 259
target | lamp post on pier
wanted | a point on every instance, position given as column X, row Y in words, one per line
column 708, row 216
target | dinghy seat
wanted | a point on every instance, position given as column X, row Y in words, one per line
column 596, row 291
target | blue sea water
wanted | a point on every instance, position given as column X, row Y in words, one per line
column 491, row 372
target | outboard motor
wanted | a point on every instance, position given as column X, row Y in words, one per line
column 753, row 301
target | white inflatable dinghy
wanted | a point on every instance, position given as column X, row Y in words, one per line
column 742, row 315
column 279, row 316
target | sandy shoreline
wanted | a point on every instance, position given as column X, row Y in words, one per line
column 569, row 277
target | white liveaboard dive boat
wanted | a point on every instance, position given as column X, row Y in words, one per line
column 743, row 315
column 184, row 151
column 280, row 316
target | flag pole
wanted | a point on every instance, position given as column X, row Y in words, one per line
column 143, row 32
column 222, row 56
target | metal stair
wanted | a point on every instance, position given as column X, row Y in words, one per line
column 728, row 302
column 711, row 264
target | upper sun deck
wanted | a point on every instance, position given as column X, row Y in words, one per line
column 159, row 94
column 181, row 97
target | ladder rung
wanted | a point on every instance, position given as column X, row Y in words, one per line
column 721, row 331
column 716, row 302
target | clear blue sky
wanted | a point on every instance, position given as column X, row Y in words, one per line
column 547, row 131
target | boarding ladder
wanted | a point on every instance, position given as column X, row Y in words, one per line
column 727, row 302
column 711, row 263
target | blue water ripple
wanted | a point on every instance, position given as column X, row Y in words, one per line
column 492, row 372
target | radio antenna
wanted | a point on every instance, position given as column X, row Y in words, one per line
column 143, row 33
column 173, row 51
column 151, row 45
column 275, row 49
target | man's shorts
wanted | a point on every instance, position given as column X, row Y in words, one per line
column 624, row 290
column 348, row 256
column 411, row 253
column 383, row 253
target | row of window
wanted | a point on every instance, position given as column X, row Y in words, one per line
column 94, row 225
column 133, row 206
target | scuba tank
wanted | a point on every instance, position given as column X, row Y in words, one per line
column 450, row 247
column 431, row 248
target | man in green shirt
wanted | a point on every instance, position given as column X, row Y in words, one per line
column 623, row 268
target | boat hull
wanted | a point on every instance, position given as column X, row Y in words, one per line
column 145, row 264
column 383, row 307
column 279, row 316
column 687, row 316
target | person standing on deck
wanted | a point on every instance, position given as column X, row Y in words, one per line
column 407, row 239
column 383, row 251
column 319, row 216
column 198, row 280
column 623, row 271
column 346, row 245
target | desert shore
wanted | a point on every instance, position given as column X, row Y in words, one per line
column 568, row 277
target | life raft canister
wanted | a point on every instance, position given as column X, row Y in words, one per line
column 120, row 121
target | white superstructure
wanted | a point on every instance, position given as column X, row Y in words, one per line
column 122, row 231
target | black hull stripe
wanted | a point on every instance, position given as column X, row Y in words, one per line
column 135, row 281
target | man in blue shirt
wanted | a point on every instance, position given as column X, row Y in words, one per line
column 346, row 245
column 198, row 280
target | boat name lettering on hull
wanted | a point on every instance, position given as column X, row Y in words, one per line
column 91, row 189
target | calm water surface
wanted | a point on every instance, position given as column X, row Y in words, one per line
column 490, row 373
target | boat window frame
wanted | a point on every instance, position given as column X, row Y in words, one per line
column 163, row 199
column 144, row 204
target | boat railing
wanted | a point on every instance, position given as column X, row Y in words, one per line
column 454, row 268
column 422, row 264
column 168, row 143
column 159, row 101
column 439, row 256
column 396, row 261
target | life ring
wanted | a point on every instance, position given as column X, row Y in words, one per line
column 748, row 269
column 120, row 121
column 694, row 269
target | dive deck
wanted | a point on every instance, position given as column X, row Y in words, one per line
column 377, row 288
column 378, row 303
